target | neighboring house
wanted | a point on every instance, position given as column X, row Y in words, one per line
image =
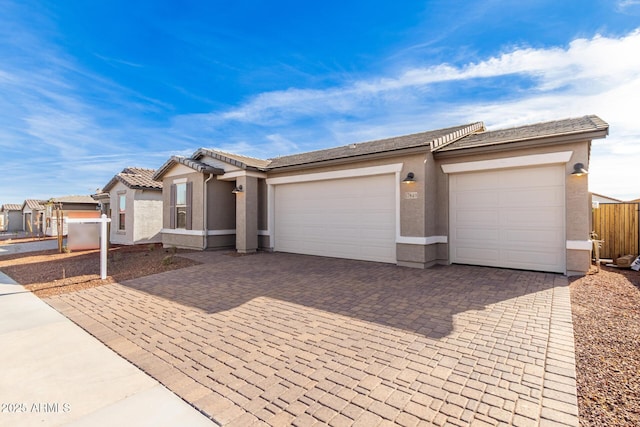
column 133, row 200
column 599, row 198
column 12, row 217
column 514, row 198
column 33, row 216
column 65, row 204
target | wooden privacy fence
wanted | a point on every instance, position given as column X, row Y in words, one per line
column 617, row 224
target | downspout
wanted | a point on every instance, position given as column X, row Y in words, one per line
column 205, row 219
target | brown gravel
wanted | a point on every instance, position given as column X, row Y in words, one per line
column 48, row 273
column 606, row 322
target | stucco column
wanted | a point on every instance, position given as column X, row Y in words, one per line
column 247, row 215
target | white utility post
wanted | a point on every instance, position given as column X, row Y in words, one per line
column 103, row 220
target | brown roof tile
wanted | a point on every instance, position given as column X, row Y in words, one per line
column 243, row 162
column 74, row 199
column 556, row 128
column 11, row 207
column 422, row 139
column 34, row 205
column 135, row 178
column 190, row 163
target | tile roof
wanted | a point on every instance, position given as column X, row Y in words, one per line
column 422, row 139
column 243, row 162
column 556, row 128
column 190, row 163
column 11, row 207
column 74, row 199
column 440, row 140
column 34, row 205
column 135, row 178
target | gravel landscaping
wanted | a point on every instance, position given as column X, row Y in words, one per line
column 605, row 306
column 50, row 273
column 606, row 323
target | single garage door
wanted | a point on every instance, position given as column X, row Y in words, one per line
column 344, row 218
column 513, row 218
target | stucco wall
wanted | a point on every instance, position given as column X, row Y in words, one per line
column 221, row 205
column 147, row 212
column 223, row 241
column 15, row 221
column 182, row 241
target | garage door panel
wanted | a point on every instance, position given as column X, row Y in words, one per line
column 536, row 238
column 532, row 197
column 476, row 199
column 538, row 217
column 524, row 228
column 481, row 179
column 477, row 216
column 525, row 259
column 542, row 176
column 345, row 218
column 473, row 233
column 478, row 255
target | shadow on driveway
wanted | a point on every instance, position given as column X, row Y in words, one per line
column 414, row 300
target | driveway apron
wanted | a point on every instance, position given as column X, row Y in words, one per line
column 283, row 339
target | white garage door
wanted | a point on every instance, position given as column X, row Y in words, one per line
column 344, row 218
column 510, row 218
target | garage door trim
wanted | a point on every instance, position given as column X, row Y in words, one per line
column 509, row 162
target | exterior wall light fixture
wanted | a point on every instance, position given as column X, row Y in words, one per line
column 410, row 179
column 237, row 189
column 579, row 170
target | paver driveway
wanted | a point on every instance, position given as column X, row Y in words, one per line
column 281, row 339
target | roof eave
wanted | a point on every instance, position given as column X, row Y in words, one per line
column 177, row 160
column 524, row 142
column 422, row 149
column 202, row 152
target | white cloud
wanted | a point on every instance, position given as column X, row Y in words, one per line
column 600, row 75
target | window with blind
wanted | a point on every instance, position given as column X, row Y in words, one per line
column 180, row 206
column 122, row 206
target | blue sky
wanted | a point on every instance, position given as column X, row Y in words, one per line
column 90, row 87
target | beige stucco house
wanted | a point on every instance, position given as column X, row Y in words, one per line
column 514, row 198
column 33, row 216
column 133, row 201
column 78, row 204
column 11, row 214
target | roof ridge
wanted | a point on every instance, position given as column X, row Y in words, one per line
column 447, row 139
column 597, row 121
column 377, row 146
column 234, row 154
column 571, row 127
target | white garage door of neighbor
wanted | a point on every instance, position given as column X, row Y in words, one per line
column 513, row 218
column 343, row 218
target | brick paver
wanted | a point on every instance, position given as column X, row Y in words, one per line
column 282, row 339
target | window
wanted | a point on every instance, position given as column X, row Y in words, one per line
column 122, row 206
column 181, row 205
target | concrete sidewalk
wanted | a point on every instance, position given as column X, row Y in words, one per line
column 56, row 374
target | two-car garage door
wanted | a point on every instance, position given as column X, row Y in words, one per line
column 344, row 218
column 512, row 218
